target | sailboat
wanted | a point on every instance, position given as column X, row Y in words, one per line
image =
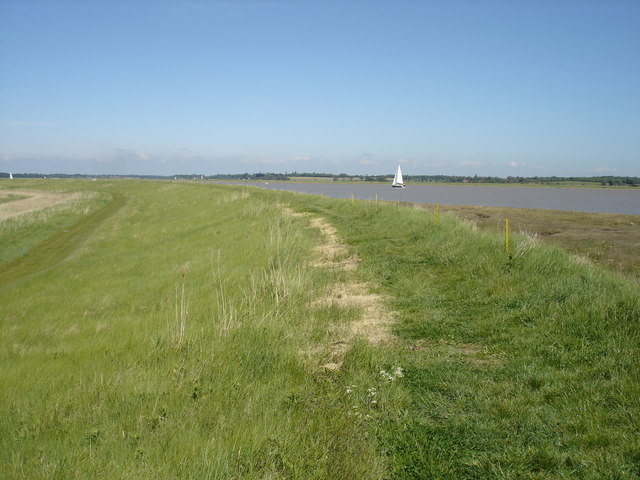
column 10, row 176
column 397, row 180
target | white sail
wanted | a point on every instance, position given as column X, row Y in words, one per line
column 397, row 180
column 10, row 176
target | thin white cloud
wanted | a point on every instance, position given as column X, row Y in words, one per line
column 471, row 164
column 367, row 161
column 514, row 164
column 130, row 153
column 262, row 161
column 26, row 123
column 432, row 164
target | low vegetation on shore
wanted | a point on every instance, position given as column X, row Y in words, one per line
column 588, row 182
column 200, row 331
column 609, row 240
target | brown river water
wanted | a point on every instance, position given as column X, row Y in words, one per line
column 599, row 200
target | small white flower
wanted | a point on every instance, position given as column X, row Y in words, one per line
column 397, row 373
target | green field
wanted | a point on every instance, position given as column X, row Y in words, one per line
column 178, row 330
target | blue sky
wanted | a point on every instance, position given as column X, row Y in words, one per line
column 442, row 87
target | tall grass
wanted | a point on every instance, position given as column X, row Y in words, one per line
column 183, row 338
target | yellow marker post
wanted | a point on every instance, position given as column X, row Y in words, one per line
column 437, row 213
column 506, row 235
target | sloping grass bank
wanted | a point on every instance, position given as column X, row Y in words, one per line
column 183, row 338
column 19, row 235
column 518, row 366
column 58, row 245
column 180, row 340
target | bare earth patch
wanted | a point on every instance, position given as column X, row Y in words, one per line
column 332, row 252
column 36, row 200
column 375, row 323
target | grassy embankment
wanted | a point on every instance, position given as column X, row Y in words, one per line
column 181, row 340
column 519, row 366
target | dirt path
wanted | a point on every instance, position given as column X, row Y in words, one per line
column 375, row 322
column 36, row 200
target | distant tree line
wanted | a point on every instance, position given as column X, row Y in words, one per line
column 602, row 180
column 607, row 180
column 247, row 176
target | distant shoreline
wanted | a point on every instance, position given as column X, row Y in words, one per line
column 409, row 183
column 596, row 182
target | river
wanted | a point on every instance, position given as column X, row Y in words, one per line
column 599, row 200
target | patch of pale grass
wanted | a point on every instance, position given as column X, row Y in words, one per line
column 34, row 201
column 43, row 208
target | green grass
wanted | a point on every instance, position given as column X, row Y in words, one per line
column 517, row 366
column 57, row 246
column 178, row 341
column 177, row 337
column 610, row 240
column 11, row 197
column 20, row 234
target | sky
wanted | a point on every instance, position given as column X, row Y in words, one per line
column 488, row 88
